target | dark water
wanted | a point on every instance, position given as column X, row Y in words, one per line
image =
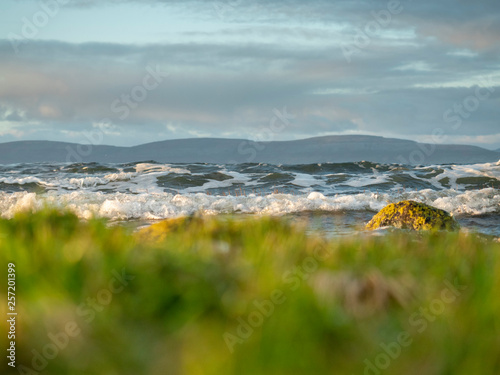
column 334, row 197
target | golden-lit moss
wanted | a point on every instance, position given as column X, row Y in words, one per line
column 413, row 215
column 159, row 231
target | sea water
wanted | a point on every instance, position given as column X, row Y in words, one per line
column 335, row 198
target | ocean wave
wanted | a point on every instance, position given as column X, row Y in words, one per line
column 152, row 190
column 329, row 179
column 155, row 206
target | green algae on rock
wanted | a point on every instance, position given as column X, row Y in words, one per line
column 413, row 215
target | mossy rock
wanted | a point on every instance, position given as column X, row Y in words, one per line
column 413, row 215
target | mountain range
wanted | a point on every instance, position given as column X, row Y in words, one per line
column 334, row 149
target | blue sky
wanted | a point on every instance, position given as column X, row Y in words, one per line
column 70, row 69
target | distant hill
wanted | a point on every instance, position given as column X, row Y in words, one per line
column 334, row 149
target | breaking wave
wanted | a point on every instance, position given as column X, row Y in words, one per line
column 150, row 191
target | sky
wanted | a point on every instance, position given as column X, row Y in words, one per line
column 124, row 73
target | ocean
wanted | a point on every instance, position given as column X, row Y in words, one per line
column 336, row 199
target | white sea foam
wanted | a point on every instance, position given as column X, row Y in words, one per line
column 363, row 181
column 148, row 191
column 21, row 180
column 456, row 172
column 122, row 206
column 159, row 168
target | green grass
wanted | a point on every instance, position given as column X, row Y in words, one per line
column 337, row 302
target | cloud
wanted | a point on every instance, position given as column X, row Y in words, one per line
column 227, row 79
column 91, row 82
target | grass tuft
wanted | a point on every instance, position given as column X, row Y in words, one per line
column 256, row 296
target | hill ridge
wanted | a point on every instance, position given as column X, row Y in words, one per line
column 332, row 148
